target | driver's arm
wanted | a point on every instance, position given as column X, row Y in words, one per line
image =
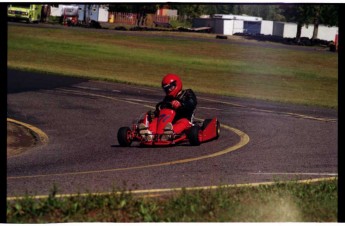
column 188, row 100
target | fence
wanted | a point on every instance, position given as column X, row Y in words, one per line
column 123, row 18
column 132, row 18
column 161, row 19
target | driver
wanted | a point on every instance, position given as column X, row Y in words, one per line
column 183, row 101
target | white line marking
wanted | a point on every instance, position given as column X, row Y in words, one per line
column 85, row 87
column 218, row 109
column 138, row 100
column 96, row 89
column 164, row 190
column 271, row 111
column 297, row 173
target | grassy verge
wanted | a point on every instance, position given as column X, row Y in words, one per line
column 270, row 73
column 281, row 202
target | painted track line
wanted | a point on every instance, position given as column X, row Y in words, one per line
column 303, row 116
column 160, row 192
column 42, row 136
column 297, row 173
column 244, row 139
column 269, row 111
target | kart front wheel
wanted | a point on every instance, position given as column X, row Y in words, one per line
column 124, row 136
column 193, row 136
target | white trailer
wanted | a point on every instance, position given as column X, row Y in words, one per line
column 266, row 27
column 285, row 30
column 94, row 12
column 324, row 32
column 289, row 30
column 237, row 17
column 327, row 33
column 307, row 31
column 99, row 13
column 232, row 24
column 231, row 27
column 229, row 24
column 69, row 10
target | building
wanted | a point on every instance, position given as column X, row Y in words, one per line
column 63, row 10
column 289, row 30
column 266, row 27
column 94, row 12
column 166, row 11
column 232, row 24
column 285, row 30
column 84, row 12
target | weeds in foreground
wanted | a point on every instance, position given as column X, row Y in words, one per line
column 281, row 202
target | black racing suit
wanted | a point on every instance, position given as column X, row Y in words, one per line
column 188, row 102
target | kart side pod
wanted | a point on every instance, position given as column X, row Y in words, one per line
column 210, row 130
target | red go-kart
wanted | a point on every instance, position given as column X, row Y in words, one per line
column 201, row 131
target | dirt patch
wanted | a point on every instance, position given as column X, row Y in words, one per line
column 19, row 139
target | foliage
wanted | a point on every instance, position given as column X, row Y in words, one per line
column 133, row 8
column 265, row 11
column 301, row 13
column 305, row 14
column 281, row 202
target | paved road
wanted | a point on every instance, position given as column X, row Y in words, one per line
column 81, row 119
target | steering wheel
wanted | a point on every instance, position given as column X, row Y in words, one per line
column 162, row 105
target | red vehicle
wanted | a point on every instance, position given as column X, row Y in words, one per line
column 200, row 132
column 70, row 15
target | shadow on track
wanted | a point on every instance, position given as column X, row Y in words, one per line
column 22, row 81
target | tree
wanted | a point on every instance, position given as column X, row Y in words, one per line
column 311, row 14
column 265, row 11
column 323, row 14
column 191, row 10
column 133, row 8
column 300, row 14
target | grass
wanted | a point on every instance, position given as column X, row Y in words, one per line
column 280, row 202
column 269, row 73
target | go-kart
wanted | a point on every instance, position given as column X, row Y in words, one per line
column 201, row 131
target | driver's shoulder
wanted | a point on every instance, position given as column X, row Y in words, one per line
column 186, row 91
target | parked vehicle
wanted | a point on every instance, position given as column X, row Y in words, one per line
column 30, row 13
column 70, row 15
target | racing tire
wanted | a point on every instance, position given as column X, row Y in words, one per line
column 193, row 136
column 124, row 137
column 217, row 130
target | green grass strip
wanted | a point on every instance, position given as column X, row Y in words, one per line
column 280, row 202
column 234, row 69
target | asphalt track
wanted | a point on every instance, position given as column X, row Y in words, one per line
column 259, row 142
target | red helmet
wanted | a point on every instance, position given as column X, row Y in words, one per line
column 172, row 85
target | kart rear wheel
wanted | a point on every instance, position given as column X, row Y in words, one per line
column 193, row 136
column 124, row 136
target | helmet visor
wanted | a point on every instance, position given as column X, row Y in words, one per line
column 169, row 87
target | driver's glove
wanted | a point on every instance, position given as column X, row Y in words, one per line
column 176, row 104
